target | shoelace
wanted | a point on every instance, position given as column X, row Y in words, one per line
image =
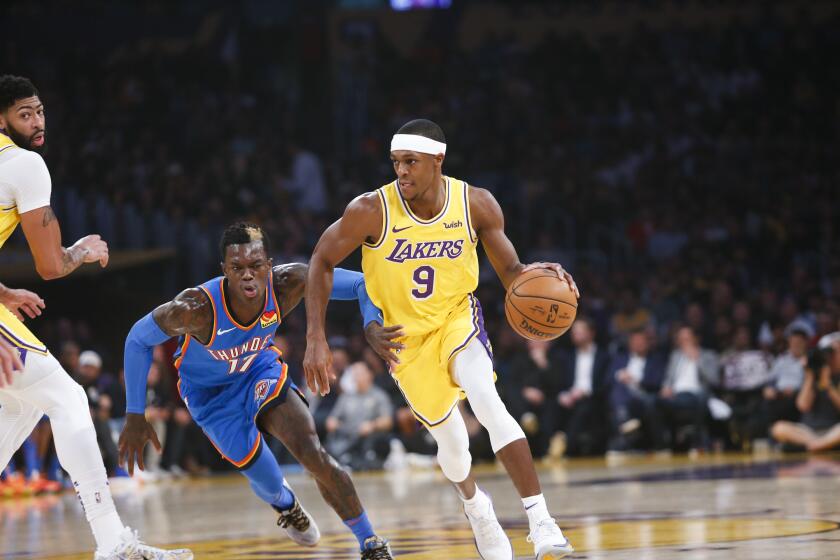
column 295, row 517
column 137, row 552
column 381, row 552
column 546, row 527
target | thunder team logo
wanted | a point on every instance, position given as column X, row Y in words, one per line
column 268, row 318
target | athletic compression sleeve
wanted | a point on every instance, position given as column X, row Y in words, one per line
column 349, row 284
column 139, row 347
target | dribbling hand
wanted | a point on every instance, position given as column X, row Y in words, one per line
column 317, row 366
column 10, row 362
column 561, row 272
column 136, row 433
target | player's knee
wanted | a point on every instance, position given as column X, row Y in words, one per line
column 68, row 402
column 778, row 431
column 453, row 443
column 455, row 463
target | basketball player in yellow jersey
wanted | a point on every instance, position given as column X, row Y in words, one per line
column 42, row 386
column 419, row 236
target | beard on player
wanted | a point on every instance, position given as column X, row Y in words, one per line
column 35, row 141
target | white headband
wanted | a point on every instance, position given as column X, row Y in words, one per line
column 417, row 143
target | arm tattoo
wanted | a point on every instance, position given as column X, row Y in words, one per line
column 49, row 217
column 72, row 258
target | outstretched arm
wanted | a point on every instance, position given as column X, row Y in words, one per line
column 289, row 286
column 188, row 314
column 362, row 221
column 489, row 223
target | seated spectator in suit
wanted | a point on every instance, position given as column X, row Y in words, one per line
column 538, row 370
column 690, row 374
column 583, row 393
column 787, row 375
column 637, row 376
column 819, row 402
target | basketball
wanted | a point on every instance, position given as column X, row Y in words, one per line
column 539, row 305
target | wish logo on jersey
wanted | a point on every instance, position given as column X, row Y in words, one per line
column 263, row 389
column 405, row 250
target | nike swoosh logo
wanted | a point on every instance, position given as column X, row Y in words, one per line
column 220, row 332
column 395, row 229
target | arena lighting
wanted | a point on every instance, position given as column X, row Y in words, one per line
column 405, row 5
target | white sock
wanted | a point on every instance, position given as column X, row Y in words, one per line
column 472, row 504
column 536, row 509
column 100, row 512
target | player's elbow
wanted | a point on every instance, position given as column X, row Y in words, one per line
column 48, row 271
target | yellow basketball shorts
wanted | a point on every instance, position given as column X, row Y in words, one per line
column 16, row 334
column 423, row 374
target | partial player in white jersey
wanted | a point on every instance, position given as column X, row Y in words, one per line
column 41, row 386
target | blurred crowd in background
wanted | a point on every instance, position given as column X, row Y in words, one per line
column 685, row 174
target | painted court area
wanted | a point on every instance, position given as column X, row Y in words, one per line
column 627, row 508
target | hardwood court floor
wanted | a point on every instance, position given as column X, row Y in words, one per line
column 716, row 507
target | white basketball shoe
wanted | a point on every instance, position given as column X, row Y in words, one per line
column 490, row 539
column 132, row 548
column 299, row 525
column 549, row 542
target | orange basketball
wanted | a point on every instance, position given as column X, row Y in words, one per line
column 539, row 305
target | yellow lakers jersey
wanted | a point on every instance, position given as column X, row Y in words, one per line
column 9, row 218
column 419, row 271
column 11, row 329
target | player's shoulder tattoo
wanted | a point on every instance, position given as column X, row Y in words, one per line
column 49, row 216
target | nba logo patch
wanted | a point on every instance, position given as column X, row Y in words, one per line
column 268, row 318
column 262, row 389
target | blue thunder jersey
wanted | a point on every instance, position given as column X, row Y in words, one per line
column 233, row 348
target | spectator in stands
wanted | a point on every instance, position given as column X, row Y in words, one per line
column 637, row 375
column 689, row 376
column 306, row 181
column 787, row 376
column 745, row 374
column 322, row 406
column 537, row 371
column 630, row 317
column 158, row 413
column 583, row 393
column 818, row 401
column 89, row 375
column 358, row 426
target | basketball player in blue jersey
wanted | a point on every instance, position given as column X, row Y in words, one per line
column 236, row 385
column 42, row 386
column 419, row 237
